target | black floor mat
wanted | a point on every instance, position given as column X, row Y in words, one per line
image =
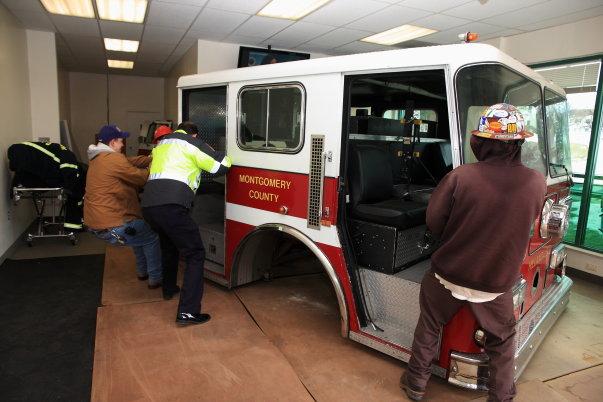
column 47, row 327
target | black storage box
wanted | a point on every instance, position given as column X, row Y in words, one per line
column 386, row 249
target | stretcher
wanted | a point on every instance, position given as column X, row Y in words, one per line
column 49, row 204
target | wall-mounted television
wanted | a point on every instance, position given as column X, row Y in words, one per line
column 251, row 56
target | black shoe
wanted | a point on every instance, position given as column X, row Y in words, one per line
column 169, row 293
column 155, row 285
column 142, row 278
column 191, row 319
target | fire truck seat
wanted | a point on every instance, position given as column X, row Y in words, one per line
column 372, row 191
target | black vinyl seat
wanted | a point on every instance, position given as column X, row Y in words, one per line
column 372, row 191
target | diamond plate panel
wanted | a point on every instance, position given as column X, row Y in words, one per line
column 407, row 249
column 393, row 303
column 206, row 107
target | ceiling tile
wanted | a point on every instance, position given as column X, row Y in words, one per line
column 244, row 40
column 440, row 22
column 172, row 15
column 297, row 34
column 433, row 5
column 451, row 36
column 184, row 46
column 27, row 5
column 157, row 34
column 247, row 7
column 198, row 3
column 121, row 30
column 360, row 47
column 342, row 12
column 541, row 12
column 206, row 35
column 506, row 32
column 34, row 20
column 86, row 43
column 388, row 18
column 154, row 52
column 590, row 13
column 75, row 25
column 338, row 37
column 475, row 10
column 263, row 27
column 220, row 21
column 120, row 55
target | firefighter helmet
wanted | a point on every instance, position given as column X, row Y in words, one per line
column 502, row 122
column 160, row 132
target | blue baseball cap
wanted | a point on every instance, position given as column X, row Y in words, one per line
column 111, row 132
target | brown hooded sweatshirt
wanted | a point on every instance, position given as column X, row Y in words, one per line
column 482, row 213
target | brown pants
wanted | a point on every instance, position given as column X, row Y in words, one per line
column 495, row 317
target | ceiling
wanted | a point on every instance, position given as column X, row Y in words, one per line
column 171, row 27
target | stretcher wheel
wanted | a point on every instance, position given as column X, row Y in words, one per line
column 73, row 239
column 29, row 243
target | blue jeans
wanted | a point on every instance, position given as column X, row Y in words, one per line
column 143, row 241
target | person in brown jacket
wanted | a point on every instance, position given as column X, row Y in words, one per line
column 482, row 214
column 111, row 205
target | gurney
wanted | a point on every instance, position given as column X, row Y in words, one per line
column 48, row 225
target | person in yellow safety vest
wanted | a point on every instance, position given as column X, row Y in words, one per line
column 175, row 174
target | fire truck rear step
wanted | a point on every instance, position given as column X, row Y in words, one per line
column 393, row 303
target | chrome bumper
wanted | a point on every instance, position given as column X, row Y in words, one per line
column 471, row 370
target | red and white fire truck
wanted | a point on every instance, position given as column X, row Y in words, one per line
column 336, row 157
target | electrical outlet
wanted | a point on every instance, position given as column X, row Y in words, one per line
column 8, row 214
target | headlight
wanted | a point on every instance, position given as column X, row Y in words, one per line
column 519, row 293
column 554, row 219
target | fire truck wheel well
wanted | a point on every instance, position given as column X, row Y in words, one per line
column 254, row 253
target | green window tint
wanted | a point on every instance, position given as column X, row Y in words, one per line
column 580, row 80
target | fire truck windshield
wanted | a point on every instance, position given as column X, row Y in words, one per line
column 480, row 86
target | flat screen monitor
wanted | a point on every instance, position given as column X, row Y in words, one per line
column 250, row 56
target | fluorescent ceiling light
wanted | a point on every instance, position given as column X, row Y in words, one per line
column 75, row 8
column 120, row 64
column 121, row 45
column 122, row 10
column 290, row 9
column 399, row 34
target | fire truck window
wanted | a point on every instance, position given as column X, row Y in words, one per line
column 271, row 118
column 557, row 127
column 480, row 86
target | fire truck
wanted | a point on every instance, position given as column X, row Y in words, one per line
column 337, row 157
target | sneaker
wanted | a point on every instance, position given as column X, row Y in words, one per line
column 190, row 319
column 142, row 278
column 168, row 294
column 154, row 285
column 412, row 393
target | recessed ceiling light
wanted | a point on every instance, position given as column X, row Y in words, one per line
column 399, row 34
column 122, row 10
column 290, row 9
column 75, row 8
column 120, row 64
column 121, row 45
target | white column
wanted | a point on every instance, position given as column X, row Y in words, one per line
column 43, row 85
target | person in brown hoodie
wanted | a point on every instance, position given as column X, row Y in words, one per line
column 111, row 205
column 482, row 214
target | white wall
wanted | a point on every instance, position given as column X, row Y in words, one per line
column 15, row 115
column 188, row 64
column 131, row 100
column 581, row 38
column 43, row 88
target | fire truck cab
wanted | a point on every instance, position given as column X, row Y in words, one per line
column 337, row 157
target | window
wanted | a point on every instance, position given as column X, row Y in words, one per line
column 557, row 129
column 483, row 85
column 420, row 114
column 271, row 118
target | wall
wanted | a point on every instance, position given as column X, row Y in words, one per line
column 131, row 100
column 64, row 96
column 187, row 65
column 581, row 38
column 15, row 114
column 43, row 88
